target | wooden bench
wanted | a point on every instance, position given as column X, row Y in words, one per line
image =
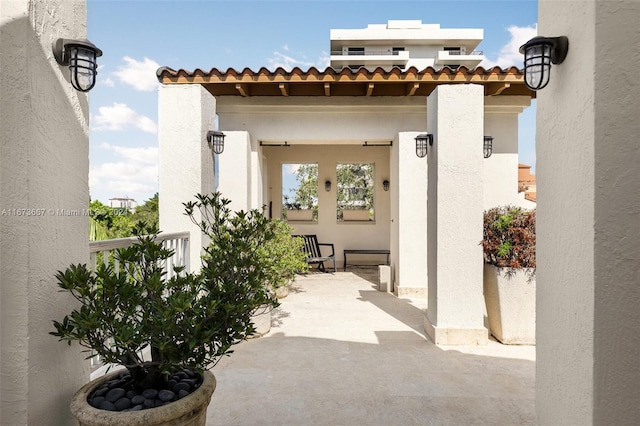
column 313, row 252
column 363, row 251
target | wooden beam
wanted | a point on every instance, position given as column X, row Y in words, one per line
column 284, row 89
column 243, row 89
column 495, row 89
column 411, row 89
column 370, row 87
column 327, row 89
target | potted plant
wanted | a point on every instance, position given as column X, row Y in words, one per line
column 509, row 247
column 185, row 322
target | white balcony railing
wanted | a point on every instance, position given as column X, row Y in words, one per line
column 102, row 251
column 176, row 241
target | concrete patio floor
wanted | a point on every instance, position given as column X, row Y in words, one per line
column 342, row 353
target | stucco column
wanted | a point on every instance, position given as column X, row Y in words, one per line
column 409, row 218
column 185, row 114
column 455, row 314
column 44, row 197
column 236, row 170
column 588, row 219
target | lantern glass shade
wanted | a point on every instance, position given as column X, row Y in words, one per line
column 539, row 54
column 327, row 185
column 488, row 146
column 422, row 142
column 537, row 66
column 385, row 185
column 216, row 141
column 81, row 58
column 83, row 68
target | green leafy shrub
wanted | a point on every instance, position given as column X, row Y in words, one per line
column 283, row 256
column 509, row 239
column 188, row 320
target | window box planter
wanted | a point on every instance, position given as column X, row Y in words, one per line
column 355, row 215
column 306, row 214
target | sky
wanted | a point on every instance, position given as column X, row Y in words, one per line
column 137, row 37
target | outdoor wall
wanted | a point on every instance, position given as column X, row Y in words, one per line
column 588, row 218
column 408, row 217
column 44, row 197
column 321, row 119
column 500, row 171
column 237, row 171
column 186, row 163
column 366, row 235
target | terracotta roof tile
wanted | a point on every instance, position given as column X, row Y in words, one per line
column 345, row 82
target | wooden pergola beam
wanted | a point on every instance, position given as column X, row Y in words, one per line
column 243, row 89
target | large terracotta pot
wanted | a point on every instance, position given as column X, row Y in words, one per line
column 511, row 306
column 188, row 411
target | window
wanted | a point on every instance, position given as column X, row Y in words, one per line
column 355, row 189
column 395, row 50
column 355, row 50
column 300, row 191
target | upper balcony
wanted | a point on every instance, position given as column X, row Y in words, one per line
column 459, row 57
column 366, row 57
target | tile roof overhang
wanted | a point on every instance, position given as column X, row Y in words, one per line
column 346, row 82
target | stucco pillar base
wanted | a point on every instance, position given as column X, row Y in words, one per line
column 410, row 292
column 456, row 336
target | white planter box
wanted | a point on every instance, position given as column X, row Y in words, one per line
column 358, row 214
column 511, row 306
column 300, row 214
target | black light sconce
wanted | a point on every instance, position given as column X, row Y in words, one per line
column 488, row 146
column 80, row 56
column 421, row 144
column 539, row 54
column 216, row 141
column 385, row 185
column 327, row 185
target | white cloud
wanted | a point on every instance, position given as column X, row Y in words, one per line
column 288, row 62
column 291, row 168
column 139, row 74
column 134, row 173
column 108, row 82
column 120, row 117
column 509, row 53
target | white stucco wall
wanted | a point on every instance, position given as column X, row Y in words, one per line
column 500, row 171
column 321, row 120
column 589, row 217
column 350, row 235
column 238, row 170
column 409, row 218
column 185, row 114
column 44, row 167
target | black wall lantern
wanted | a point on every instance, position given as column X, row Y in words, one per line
column 327, row 185
column 216, row 141
column 80, row 56
column 539, row 54
column 488, row 146
column 421, row 144
column 385, row 185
